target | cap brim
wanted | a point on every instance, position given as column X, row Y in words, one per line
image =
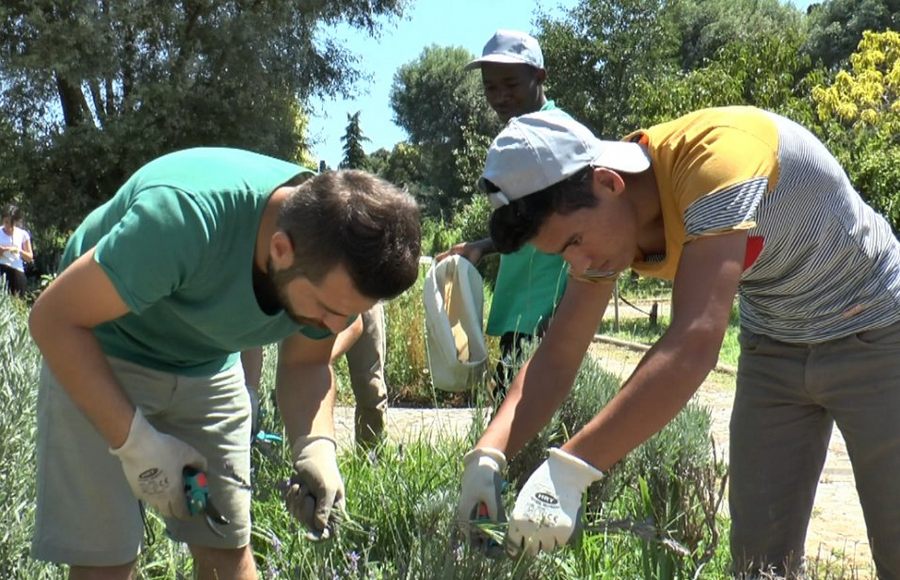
column 499, row 59
column 623, row 156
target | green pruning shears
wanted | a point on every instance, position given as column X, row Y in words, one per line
column 196, row 492
column 485, row 540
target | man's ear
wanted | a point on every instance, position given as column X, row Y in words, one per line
column 608, row 180
column 281, row 250
column 540, row 76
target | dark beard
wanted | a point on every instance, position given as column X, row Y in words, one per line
column 265, row 291
column 268, row 287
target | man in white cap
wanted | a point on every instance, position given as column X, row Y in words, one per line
column 725, row 202
column 529, row 283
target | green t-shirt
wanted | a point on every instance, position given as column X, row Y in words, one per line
column 529, row 286
column 177, row 241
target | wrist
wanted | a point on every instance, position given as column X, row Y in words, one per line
column 139, row 431
column 307, row 441
column 486, row 456
column 580, row 471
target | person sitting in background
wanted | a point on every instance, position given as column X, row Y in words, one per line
column 15, row 251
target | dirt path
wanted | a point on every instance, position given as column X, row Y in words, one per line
column 837, row 534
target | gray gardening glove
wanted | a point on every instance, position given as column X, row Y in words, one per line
column 315, row 493
column 153, row 463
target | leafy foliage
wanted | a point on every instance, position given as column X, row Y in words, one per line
column 860, row 114
column 837, row 26
column 440, row 105
column 94, row 89
column 19, row 367
column 595, row 56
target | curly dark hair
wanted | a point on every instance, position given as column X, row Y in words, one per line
column 513, row 225
column 359, row 220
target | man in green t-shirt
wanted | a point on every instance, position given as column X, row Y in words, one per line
column 529, row 283
column 201, row 254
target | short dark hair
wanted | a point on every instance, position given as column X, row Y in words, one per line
column 513, row 225
column 359, row 220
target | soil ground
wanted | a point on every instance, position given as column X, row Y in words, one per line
column 836, row 543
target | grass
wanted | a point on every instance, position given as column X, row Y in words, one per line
column 639, row 330
column 401, row 502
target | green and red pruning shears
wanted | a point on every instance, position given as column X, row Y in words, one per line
column 196, row 492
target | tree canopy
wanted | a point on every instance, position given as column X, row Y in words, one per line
column 94, row 88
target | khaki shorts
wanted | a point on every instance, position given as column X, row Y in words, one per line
column 86, row 514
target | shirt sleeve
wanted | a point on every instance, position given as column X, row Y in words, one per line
column 155, row 248
column 719, row 182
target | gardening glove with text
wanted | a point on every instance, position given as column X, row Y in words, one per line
column 548, row 509
column 481, row 486
column 153, row 463
column 315, row 493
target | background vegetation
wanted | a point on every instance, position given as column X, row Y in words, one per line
column 92, row 89
column 655, row 517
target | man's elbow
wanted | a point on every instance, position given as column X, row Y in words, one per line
column 700, row 348
column 39, row 323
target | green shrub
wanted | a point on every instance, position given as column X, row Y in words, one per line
column 19, row 365
column 672, row 484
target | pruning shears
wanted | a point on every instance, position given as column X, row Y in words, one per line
column 488, row 544
column 196, row 492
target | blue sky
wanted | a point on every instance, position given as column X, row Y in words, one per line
column 465, row 23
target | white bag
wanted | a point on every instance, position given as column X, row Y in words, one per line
column 454, row 313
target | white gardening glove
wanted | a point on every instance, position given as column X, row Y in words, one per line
column 153, row 463
column 479, row 498
column 548, row 509
column 315, row 493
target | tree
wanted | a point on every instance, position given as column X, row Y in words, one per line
column 609, row 61
column 836, row 27
column 597, row 53
column 765, row 72
column 131, row 80
column 705, row 27
column 434, row 98
column 860, row 111
column 353, row 138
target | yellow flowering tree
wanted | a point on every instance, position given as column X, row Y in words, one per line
column 869, row 94
column 860, row 110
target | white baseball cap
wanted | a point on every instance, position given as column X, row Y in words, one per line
column 510, row 47
column 541, row 149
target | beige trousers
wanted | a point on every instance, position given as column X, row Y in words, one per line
column 365, row 360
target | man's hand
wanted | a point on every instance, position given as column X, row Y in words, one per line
column 481, row 485
column 315, row 494
column 548, row 510
column 153, row 463
column 471, row 251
